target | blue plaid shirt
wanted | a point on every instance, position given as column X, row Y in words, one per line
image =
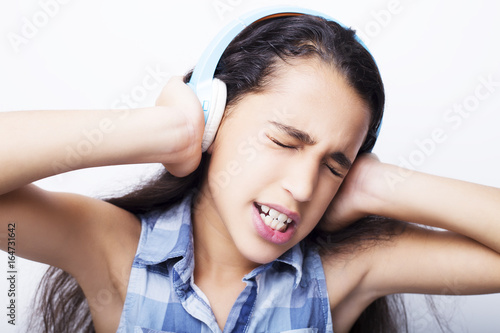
column 286, row 295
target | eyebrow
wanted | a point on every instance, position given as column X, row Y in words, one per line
column 295, row 133
column 306, row 139
column 342, row 160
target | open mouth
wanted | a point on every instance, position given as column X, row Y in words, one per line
column 273, row 219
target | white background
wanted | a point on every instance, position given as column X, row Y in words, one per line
column 432, row 55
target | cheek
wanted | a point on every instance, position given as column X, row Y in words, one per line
column 223, row 173
column 245, row 158
column 233, row 167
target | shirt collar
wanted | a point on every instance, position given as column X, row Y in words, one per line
column 169, row 238
column 168, row 234
column 293, row 258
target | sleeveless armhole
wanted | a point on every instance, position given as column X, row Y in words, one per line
column 319, row 273
column 126, row 314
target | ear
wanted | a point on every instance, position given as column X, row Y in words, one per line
column 217, row 107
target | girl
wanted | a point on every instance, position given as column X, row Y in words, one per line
column 274, row 228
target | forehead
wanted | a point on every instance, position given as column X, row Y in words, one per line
column 313, row 97
column 315, row 82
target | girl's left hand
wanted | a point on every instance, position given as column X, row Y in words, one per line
column 353, row 197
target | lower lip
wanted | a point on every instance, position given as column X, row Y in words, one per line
column 268, row 233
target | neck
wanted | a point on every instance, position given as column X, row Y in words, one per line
column 216, row 255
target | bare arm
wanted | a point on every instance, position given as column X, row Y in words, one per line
column 56, row 228
column 469, row 209
column 463, row 259
column 38, row 144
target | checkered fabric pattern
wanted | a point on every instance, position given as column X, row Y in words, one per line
column 286, row 295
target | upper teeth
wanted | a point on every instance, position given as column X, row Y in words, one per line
column 274, row 219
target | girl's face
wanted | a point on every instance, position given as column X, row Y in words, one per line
column 280, row 157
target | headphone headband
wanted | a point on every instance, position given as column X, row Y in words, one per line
column 212, row 92
column 203, row 73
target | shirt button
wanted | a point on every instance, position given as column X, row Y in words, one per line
column 181, row 293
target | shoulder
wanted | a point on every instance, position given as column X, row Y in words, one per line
column 414, row 259
column 91, row 239
column 103, row 271
column 344, row 275
column 66, row 230
column 348, row 260
column 110, row 239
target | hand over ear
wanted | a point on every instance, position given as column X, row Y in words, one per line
column 351, row 201
column 184, row 149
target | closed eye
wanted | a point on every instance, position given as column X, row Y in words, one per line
column 281, row 144
column 334, row 171
column 278, row 143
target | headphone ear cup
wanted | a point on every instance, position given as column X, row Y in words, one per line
column 217, row 107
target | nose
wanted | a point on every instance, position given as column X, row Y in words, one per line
column 300, row 179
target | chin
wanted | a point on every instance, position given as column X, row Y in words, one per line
column 261, row 260
column 262, row 253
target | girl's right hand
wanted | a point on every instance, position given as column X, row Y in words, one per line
column 183, row 151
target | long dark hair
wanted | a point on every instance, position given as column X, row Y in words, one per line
column 248, row 66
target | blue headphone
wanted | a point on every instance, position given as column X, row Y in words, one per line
column 212, row 92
